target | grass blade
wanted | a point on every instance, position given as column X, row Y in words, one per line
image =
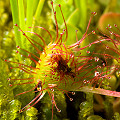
column 14, row 9
column 21, row 19
column 39, row 9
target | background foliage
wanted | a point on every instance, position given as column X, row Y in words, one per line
column 30, row 13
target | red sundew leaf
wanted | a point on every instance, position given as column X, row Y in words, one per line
column 108, row 18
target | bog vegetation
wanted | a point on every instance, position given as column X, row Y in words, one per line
column 67, row 57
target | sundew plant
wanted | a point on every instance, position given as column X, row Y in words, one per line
column 60, row 61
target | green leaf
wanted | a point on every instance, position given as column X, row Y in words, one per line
column 74, row 18
column 14, row 8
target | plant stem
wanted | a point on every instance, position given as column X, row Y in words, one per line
column 99, row 91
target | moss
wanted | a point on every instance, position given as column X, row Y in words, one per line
column 10, row 100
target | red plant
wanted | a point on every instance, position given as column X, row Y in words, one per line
column 63, row 68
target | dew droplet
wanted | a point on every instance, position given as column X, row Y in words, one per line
column 98, row 66
column 115, row 25
column 20, row 65
column 17, row 51
column 96, row 73
column 61, row 33
column 88, row 82
column 58, row 110
column 94, row 13
column 63, row 30
column 96, row 59
column 18, row 47
column 71, row 55
column 111, row 32
column 89, row 45
column 109, row 26
column 20, row 111
column 107, row 47
column 15, row 24
column 73, row 93
column 84, row 81
column 116, row 68
column 59, row 5
column 29, row 55
column 109, row 77
column 10, row 85
column 88, row 52
column 103, row 64
column 52, row 90
column 11, row 68
column 8, row 78
column 53, row 73
column 76, row 30
column 55, row 13
column 52, row 2
column 6, row 60
column 93, row 32
column 71, row 99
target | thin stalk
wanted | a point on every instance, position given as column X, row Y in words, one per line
column 39, row 9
